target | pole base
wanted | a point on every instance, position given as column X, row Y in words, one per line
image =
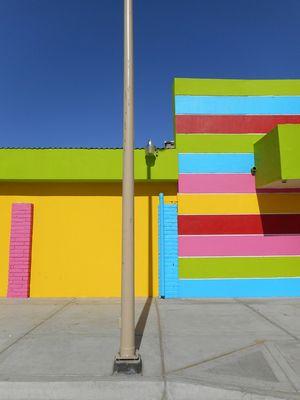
column 127, row 366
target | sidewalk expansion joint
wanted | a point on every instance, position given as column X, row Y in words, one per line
column 228, row 353
column 162, row 353
column 267, row 319
column 18, row 339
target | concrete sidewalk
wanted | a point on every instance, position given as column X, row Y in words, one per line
column 191, row 349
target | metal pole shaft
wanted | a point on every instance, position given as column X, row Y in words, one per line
column 127, row 345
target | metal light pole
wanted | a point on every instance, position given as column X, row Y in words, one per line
column 128, row 360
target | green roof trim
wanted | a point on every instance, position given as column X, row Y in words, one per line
column 236, row 87
column 83, row 165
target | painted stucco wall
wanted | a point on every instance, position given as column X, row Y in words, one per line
column 76, row 243
column 234, row 240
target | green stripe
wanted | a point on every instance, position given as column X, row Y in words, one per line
column 238, row 267
column 216, row 143
column 235, row 87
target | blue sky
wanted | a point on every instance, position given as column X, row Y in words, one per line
column 61, row 62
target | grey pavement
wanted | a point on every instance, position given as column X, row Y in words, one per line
column 63, row 349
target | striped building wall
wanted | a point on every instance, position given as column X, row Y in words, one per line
column 234, row 241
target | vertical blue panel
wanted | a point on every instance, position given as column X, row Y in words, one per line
column 168, row 250
column 161, row 272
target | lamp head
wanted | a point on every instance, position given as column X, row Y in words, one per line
column 150, row 149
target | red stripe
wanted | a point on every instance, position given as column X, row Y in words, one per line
column 231, row 123
column 238, row 224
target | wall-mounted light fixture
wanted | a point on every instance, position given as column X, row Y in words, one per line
column 150, row 149
column 150, row 157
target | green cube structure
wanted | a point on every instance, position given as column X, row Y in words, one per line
column 277, row 158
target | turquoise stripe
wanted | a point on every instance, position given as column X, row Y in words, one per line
column 215, row 163
column 238, row 105
column 224, row 288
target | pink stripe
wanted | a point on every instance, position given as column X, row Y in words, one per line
column 205, row 246
column 222, row 183
column 216, row 183
column 20, row 250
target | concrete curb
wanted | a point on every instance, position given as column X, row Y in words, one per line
column 192, row 391
column 88, row 390
column 120, row 390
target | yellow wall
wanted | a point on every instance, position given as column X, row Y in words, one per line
column 76, row 247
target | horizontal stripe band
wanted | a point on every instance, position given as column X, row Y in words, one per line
column 205, row 246
column 231, row 123
column 239, row 224
column 224, row 204
column 235, row 87
column 237, row 267
column 238, row 105
column 226, row 288
column 215, row 163
column 217, row 183
column 216, row 143
column 223, row 183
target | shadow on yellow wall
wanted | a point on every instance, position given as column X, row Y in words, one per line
column 76, row 249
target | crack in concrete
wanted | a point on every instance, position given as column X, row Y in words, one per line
column 51, row 315
column 294, row 337
column 162, row 353
column 279, row 364
column 215, row 357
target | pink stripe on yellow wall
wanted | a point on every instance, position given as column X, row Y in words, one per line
column 248, row 245
column 20, row 250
